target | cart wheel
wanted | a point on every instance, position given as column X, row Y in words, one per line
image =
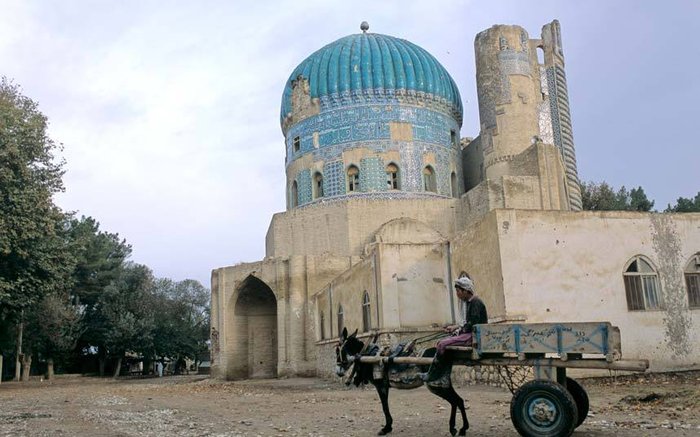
column 543, row 409
column 580, row 397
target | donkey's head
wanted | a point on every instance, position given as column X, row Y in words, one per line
column 347, row 348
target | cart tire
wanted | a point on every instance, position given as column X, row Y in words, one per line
column 580, row 397
column 543, row 409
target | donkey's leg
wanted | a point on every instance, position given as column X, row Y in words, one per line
column 446, row 394
column 383, row 391
column 453, row 413
column 458, row 402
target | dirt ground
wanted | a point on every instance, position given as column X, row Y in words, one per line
column 197, row 406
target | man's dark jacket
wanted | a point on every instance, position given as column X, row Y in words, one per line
column 476, row 314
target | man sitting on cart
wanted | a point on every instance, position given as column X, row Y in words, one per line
column 461, row 334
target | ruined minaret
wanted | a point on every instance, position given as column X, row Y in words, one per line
column 524, row 119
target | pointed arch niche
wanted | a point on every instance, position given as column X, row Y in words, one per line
column 254, row 331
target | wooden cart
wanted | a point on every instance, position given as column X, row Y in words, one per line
column 552, row 404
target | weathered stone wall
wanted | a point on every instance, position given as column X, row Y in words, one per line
column 345, row 225
column 508, row 95
column 472, row 162
column 347, row 291
column 237, row 330
column 476, row 252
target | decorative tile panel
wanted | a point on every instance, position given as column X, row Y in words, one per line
column 368, row 123
column 372, row 174
column 304, row 186
column 333, row 179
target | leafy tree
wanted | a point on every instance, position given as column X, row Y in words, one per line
column 638, row 200
column 125, row 316
column 598, row 197
column 685, row 205
column 603, row 197
column 182, row 319
column 34, row 260
column 53, row 327
column 100, row 260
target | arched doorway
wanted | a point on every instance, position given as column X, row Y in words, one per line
column 255, row 323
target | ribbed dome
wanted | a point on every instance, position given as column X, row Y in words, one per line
column 376, row 64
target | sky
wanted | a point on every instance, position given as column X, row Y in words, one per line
column 168, row 112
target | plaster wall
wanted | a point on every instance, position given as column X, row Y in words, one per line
column 406, row 274
column 566, row 266
column 414, row 285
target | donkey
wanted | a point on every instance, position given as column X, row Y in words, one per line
column 348, row 352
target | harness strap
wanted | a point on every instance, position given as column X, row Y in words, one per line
column 431, row 337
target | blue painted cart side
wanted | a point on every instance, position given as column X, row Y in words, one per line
column 598, row 338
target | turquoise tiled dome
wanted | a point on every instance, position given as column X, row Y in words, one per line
column 376, row 65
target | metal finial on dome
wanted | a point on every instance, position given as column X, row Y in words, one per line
column 364, row 26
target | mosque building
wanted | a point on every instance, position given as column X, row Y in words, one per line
column 387, row 205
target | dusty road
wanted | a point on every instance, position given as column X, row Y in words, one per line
column 667, row 405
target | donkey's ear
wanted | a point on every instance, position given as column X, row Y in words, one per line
column 345, row 333
column 354, row 334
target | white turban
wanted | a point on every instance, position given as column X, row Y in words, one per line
column 465, row 283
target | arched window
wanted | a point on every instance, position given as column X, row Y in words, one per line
column 341, row 322
column 453, row 185
column 353, row 179
column 322, row 321
column 429, row 183
column 641, row 285
column 318, row 185
column 366, row 314
column 692, row 281
column 392, row 177
column 294, row 200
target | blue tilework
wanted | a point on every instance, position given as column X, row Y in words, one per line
column 367, row 127
column 368, row 123
column 304, row 186
column 413, row 158
column 554, row 108
column 333, row 179
column 373, row 65
column 372, row 174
